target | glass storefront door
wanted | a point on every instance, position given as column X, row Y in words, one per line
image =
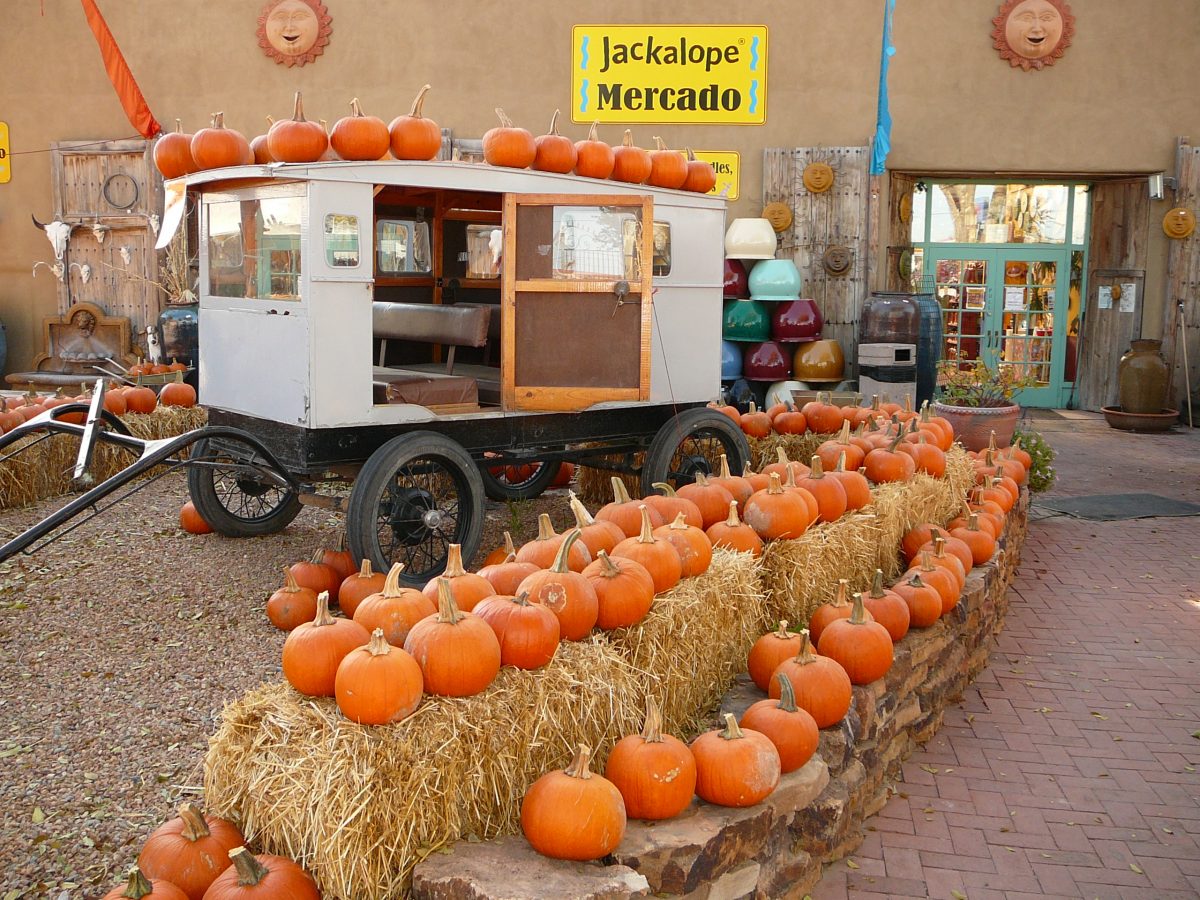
column 1005, row 263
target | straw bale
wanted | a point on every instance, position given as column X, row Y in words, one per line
column 360, row 806
column 799, row 575
column 800, row 447
column 44, row 468
column 594, row 486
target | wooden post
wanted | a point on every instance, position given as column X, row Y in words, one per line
column 1183, row 284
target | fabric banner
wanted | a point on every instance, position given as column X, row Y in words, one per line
column 883, row 119
column 122, row 79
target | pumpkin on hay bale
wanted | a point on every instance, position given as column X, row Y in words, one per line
column 801, row 574
column 363, row 805
column 764, row 451
column 44, row 470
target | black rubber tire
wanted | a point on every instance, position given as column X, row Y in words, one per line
column 232, row 504
column 497, row 488
column 692, row 442
column 416, row 495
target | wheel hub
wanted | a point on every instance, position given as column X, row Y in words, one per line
column 413, row 515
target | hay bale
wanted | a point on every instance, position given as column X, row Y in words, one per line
column 40, row 466
column 799, row 575
column 360, row 806
column 799, row 447
column 594, row 486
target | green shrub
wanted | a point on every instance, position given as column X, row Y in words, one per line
column 1041, row 473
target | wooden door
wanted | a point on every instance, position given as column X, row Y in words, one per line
column 113, row 194
column 576, row 310
column 836, row 217
column 1117, row 254
column 1181, row 312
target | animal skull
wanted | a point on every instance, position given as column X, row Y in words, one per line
column 126, row 255
column 99, row 232
column 58, row 233
column 154, row 223
column 56, row 270
column 85, row 271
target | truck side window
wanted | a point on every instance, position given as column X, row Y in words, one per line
column 341, row 241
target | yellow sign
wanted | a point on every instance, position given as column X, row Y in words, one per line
column 693, row 74
column 5, row 155
column 728, row 166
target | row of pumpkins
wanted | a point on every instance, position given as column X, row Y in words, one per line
column 415, row 137
column 825, row 417
column 117, row 400
column 199, row 857
column 808, row 677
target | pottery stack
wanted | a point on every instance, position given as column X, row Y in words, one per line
column 745, row 321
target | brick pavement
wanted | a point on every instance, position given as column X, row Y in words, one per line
column 1070, row 769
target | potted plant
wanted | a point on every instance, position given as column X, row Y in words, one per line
column 979, row 400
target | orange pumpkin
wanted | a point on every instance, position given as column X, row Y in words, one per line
column 782, row 466
column 173, row 153
column 505, row 576
column 259, row 148
column 692, row 545
column 739, row 487
column 395, row 609
column 839, row 446
column 658, row 555
column 314, row 573
column 218, row 146
column 884, row 465
column 755, row 423
column 596, row 534
column 141, row 400
column 177, row 393
column 467, row 587
column 458, row 652
column 594, row 158
column 341, row 560
column 924, row 604
column 625, row 512
column 855, row 484
column 553, row 152
column 940, row 579
column 528, row 633
column 630, row 164
column 508, row 145
column 414, row 136
column 360, row 137
column 822, row 687
column 358, row 587
column 291, row 605
column 624, row 590
column 378, row 684
column 670, row 505
column 701, row 178
column 567, row 594
column 776, row 514
column 314, row 650
column 655, row 772
column 573, row 814
column 828, row 492
column 668, row 168
column 824, row 615
column 735, row 535
column 296, row 140
column 138, row 887
column 981, row 544
column 735, row 767
column 887, row 608
column 262, row 877
column 711, row 499
column 792, row 730
column 191, row 521
column 189, row 851
column 543, row 549
column 769, row 651
column 859, row 645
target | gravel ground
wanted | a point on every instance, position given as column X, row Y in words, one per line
column 119, row 645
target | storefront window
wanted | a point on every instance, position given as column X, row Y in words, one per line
column 254, row 248
column 997, row 213
column 341, row 241
column 1079, row 215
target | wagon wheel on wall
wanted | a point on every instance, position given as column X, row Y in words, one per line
column 519, row 481
column 237, row 490
column 415, row 496
column 692, row 442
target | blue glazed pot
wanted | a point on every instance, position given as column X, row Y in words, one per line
column 731, row 361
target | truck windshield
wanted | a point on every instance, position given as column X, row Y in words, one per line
column 254, row 248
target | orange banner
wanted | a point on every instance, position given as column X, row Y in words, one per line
column 122, row 79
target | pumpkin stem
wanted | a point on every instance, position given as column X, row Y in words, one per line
column 323, row 617
column 731, row 731
column 844, row 435
column 916, row 581
column 652, row 730
column 782, row 457
column 505, row 121
column 391, row 584
column 609, row 569
column 896, row 441
column 877, row 585
column 270, row 122
column 776, row 487
column 579, row 765
column 790, row 480
column 805, row 654
column 593, row 132
column 843, row 593
column 454, row 563
column 418, row 102
column 620, row 494
column 545, row 528
column 355, row 109
column 816, row 471
column 378, row 645
column 665, row 488
column 973, row 522
column 447, row 609
column 992, row 441
column 747, row 470
column 179, row 126
column 939, row 546
column 194, row 826
column 660, row 145
column 218, row 120
column 522, row 599
column 365, row 570
column 139, row 885
column 927, row 561
column 289, row 581
column 725, row 473
column 841, row 464
column 554, row 124
column 691, row 157
column 564, row 551
column 509, row 549
column 787, row 694
column 647, row 534
column 298, row 112
column 627, row 141
column 782, row 632
column 680, row 523
column 583, row 518
column 249, row 870
column 732, row 519
column 858, row 615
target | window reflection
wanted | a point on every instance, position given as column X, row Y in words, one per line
column 254, row 248
column 997, row 213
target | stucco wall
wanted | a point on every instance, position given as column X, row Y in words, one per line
column 1114, row 103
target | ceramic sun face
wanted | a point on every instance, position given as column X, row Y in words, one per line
column 1032, row 34
column 294, row 32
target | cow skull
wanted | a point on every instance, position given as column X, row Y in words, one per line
column 154, row 223
column 58, row 233
column 126, row 255
column 100, row 232
column 57, row 270
column 85, row 271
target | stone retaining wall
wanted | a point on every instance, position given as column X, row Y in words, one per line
column 775, row 849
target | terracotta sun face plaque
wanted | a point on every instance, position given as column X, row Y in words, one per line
column 1179, row 223
column 1032, row 34
column 818, row 177
column 294, row 32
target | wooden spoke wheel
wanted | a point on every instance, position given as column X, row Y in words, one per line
column 237, row 491
column 518, row 481
column 693, row 442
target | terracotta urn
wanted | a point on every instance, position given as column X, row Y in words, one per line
column 973, row 425
column 1142, row 377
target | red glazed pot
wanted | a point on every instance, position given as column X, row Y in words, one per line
column 796, row 320
column 737, row 282
column 767, row 361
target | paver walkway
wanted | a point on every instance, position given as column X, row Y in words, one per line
column 1071, row 767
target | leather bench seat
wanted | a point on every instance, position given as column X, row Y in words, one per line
column 423, row 388
column 486, row 378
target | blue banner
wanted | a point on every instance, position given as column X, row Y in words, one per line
column 883, row 118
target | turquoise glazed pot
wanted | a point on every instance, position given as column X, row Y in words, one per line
column 775, row 279
column 745, row 320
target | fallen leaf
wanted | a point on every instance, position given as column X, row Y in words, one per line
column 1136, row 868
column 1100, row 716
column 851, row 864
column 1168, row 830
column 1010, row 849
column 38, row 816
column 958, row 895
column 1045, row 709
column 932, row 770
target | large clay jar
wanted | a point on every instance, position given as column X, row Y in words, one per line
column 1142, row 378
column 973, row 425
